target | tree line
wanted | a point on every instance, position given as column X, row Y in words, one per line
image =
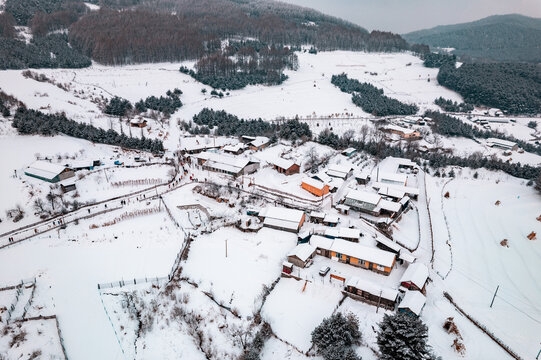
column 451, row 126
column 165, row 104
column 30, row 122
column 379, row 149
column 512, row 87
column 223, row 123
column 244, row 63
column 453, row 106
column 371, row 99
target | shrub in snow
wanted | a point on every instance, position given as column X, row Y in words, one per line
column 403, row 336
column 335, row 336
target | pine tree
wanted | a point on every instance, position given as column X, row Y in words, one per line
column 334, row 337
column 404, row 337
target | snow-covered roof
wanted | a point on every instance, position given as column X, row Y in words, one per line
column 331, row 218
column 364, row 196
column 287, row 264
column 399, row 129
column 414, row 301
column 373, row 288
column 373, row 255
column 501, row 142
column 392, row 192
column 389, row 243
column 317, row 214
column 314, row 183
column 321, row 242
column 322, row 177
column 407, row 189
column 282, row 163
column 282, row 217
column 302, row 251
column 362, row 175
column 77, row 164
column 225, row 162
column 44, row 169
column 234, row 148
column 406, row 256
column 343, row 207
column 394, row 177
column 339, row 171
column 349, row 150
column 389, row 205
column 343, row 232
column 416, row 273
column 259, row 141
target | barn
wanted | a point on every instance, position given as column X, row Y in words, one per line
column 48, row 171
column 415, row 277
column 412, row 303
column 371, row 293
column 282, row 218
column 284, row 166
column 314, row 186
column 302, row 255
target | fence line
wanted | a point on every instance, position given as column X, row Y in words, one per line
column 121, row 283
column 127, row 216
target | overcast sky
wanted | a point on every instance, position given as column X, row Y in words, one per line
column 402, row 16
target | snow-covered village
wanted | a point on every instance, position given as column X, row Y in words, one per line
column 353, row 202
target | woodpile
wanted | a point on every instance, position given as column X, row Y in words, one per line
column 532, row 236
column 451, row 328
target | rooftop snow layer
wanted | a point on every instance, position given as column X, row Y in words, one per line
column 416, row 273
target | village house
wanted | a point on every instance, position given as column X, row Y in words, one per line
column 371, row 203
column 343, row 233
column 226, row 164
column 415, row 277
column 138, row 123
column 287, row 167
column 371, row 293
column 197, row 148
column 331, row 220
column 412, row 192
column 349, row 152
column 388, row 245
column 235, row 149
column 502, row 144
column 326, row 179
column 302, row 255
column 256, row 143
column 354, row 254
column 412, row 303
column 393, row 178
column 314, row 186
column 392, row 193
column 403, row 132
column 343, row 209
column 48, row 171
column 282, row 218
column 317, row 217
column 339, row 171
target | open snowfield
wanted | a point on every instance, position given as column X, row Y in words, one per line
column 253, row 260
column 70, row 264
column 480, row 263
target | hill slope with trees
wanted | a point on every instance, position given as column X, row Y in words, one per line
column 497, row 38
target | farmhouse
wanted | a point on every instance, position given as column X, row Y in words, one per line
column 371, row 203
column 282, row 218
column 415, row 277
column 258, row 143
column 138, row 123
column 47, row 171
column 349, row 152
column 339, row 171
column 227, row 164
column 235, row 149
column 502, row 144
column 301, row 255
column 314, row 186
column 412, row 303
column 371, row 293
column 284, row 166
column 404, row 133
column 355, row 254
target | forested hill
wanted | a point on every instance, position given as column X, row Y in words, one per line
column 506, row 38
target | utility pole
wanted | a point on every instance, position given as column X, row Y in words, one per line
column 225, row 247
column 494, row 297
column 379, row 300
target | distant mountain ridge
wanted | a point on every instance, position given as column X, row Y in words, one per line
column 507, row 38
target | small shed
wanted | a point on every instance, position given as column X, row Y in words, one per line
column 68, row 185
column 343, row 209
column 412, row 303
column 331, row 220
column 303, row 237
column 415, row 277
column 339, row 171
column 287, row 267
column 284, row 166
column 302, row 255
column 362, row 178
column 317, row 217
column 314, row 186
column 138, row 123
column 349, row 152
column 235, row 149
